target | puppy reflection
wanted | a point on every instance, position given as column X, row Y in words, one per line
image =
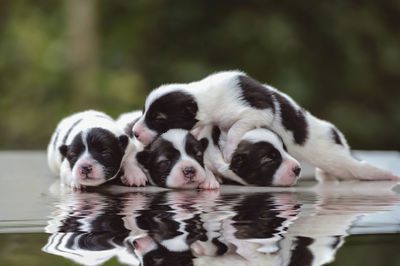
column 172, row 222
column 204, row 227
column 325, row 216
column 89, row 229
column 251, row 229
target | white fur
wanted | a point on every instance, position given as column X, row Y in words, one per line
column 133, row 175
column 202, row 179
column 90, row 119
column 213, row 158
column 218, row 97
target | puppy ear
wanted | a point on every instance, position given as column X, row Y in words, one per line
column 63, row 150
column 204, row 144
column 237, row 160
column 123, row 141
column 143, row 158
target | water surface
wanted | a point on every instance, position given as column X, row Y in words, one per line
column 346, row 223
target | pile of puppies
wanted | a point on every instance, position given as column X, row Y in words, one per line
column 226, row 127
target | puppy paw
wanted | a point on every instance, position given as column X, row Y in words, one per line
column 75, row 186
column 209, row 183
column 137, row 178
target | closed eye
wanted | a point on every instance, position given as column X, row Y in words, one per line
column 266, row 160
column 160, row 117
column 164, row 163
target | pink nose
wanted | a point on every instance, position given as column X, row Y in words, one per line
column 86, row 169
column 189, row 172
column 297, row 170
column 136, row 134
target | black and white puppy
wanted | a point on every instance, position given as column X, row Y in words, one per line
column 87, row 149
column 261, row 158
column 133, row 175
column 175, row 160
column 237, row 103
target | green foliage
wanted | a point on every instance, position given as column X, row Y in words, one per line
column 338, row 59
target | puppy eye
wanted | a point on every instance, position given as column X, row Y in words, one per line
column 274, row 155
column 199, row 154
column 266, row 160
column 105, row 152
column 164, row 163
column 160, row 117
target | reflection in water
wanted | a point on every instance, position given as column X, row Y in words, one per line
column 212, row 227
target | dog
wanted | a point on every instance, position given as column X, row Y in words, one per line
column 87, row 149
column 237, row 103
column 261, row 158
column 175, row 160
column 133, row 175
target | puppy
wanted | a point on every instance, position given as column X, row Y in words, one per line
column 175, row 160
column 87, row 149
column 237, row 103
column 260, row 159
column 132, row 175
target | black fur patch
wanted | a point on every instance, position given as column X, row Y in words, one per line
column 159, row 158
column 302, row 255
column 257, row 217
column 106, row 149
column 70, row 129
column 336, row 137
column 256, row 94
column 194, row 149
column 256, row 163
column 172, row 110
column 216, row 133
column 74, row 150
column 292, row 119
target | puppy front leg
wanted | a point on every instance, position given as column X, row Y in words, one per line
column 210, row 182
column 235, row 133
column 133, row 174
column 67, row 178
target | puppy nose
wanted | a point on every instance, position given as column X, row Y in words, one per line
column 135, row 134
column 189, row 172
column 86, row 168
column 297, row 170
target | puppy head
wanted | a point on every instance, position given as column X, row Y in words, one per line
column 261, row 159
column 165, row 108
column 175, row 159
column 95, row 155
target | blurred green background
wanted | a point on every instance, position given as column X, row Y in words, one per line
column 338, row 59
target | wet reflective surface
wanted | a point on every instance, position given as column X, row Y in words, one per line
column 245, row 227
column 347, row 223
